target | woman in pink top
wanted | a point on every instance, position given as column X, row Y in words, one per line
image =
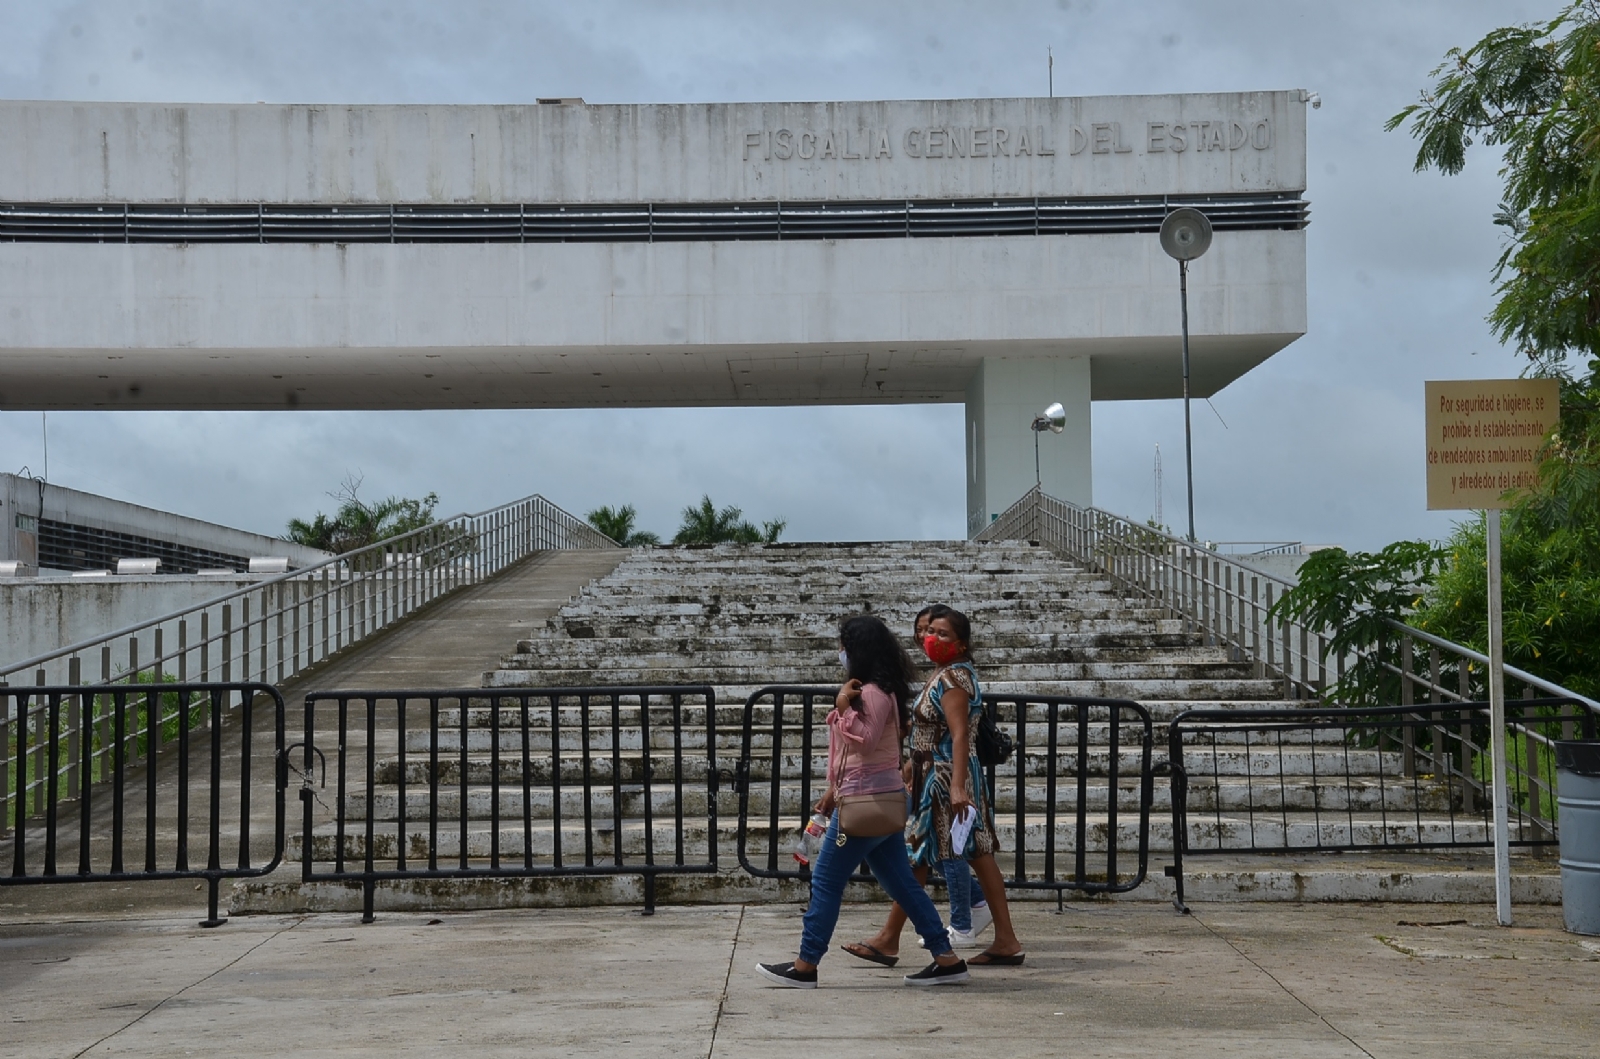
column 865, row 726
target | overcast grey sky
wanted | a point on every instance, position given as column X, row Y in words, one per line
column 1323, row 443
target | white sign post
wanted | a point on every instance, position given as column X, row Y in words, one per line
column 1497, row 727
column 1483, row 444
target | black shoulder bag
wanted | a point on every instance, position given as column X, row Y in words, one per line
column 994, row 746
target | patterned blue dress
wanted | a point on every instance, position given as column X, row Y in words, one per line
column 928, row 828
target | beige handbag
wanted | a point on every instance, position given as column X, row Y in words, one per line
column 869, row 815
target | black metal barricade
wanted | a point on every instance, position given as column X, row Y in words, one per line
column 1072, row 812
column 788, row 771
column 1352, row 779
column 1104, row 764
column 99, row 783
column 510, row 783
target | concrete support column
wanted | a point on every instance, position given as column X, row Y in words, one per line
column 1003, row 397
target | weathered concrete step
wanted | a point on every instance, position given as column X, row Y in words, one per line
column 1230, row 681
column 1324, row 763
column 1266, row 695
column 1218, row 683
column 666, row 736
column 895, row 581
column 715, row 651
column 730, row 715
column 1226, row 796
column 567, row 670
column 646, row 626
column 733, row 607
column 1094, row 646
column 894, row 601
column 911, row 561
column 1401, row 878
column 1061, row 613
column 662, row 837
column 600, row 841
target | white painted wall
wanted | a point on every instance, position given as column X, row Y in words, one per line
column 198, row 153
column 40, row 615
column 1005, row 395
column 581, row 325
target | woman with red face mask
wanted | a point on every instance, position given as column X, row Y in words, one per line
column 946, row 782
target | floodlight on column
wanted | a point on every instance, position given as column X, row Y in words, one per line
column 1053, row 419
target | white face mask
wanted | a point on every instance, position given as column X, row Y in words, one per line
column 844, row 661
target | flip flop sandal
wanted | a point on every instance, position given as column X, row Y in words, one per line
column 993, row 959
column 871, row 955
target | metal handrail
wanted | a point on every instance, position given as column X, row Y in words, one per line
column 1227, row 600
column 279, row 627
column 442, row 536
column 1230, row 602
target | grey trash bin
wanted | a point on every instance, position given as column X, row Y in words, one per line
column 1578, row 819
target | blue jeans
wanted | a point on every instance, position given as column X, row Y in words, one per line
column 886, row 856
column 964, row 892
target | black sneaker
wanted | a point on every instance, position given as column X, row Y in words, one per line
column 934, row 974
column 785, row 975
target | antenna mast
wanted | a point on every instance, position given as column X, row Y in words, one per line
column 1158, row 485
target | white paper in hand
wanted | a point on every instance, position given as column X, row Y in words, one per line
column 960, row 828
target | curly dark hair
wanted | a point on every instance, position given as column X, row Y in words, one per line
column 876, row 657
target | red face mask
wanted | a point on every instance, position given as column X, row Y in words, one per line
column 941, row 652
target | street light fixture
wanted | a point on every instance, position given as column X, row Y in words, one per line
column 1185, row 235
column 1053, row 419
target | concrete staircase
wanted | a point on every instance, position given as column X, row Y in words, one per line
column 740, row 617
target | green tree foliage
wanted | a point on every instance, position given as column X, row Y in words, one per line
column 703, row 523
column 1355, row 595
column 1534, row 92
column 356, row 523
column 618, row 524
column 1550, row 604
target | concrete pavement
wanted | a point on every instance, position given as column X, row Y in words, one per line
column 1101, row 980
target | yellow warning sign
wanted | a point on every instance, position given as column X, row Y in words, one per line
column 1484, row 438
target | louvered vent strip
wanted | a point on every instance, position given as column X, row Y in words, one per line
column 475, row 223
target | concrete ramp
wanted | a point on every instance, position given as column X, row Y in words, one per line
column 452, row 644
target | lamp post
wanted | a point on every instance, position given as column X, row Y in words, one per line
column 1053, row 419
column 1185, row 235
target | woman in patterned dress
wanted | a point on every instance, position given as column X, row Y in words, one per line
column 946, row 780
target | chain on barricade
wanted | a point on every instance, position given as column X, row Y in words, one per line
column 308, row 785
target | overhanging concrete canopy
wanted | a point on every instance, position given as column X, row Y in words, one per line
column 203, row 256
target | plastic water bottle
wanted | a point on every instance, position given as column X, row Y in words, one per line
column 805, row 851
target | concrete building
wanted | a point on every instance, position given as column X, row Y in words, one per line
column 1000, row 252
column 51, row 537
column 51, row 529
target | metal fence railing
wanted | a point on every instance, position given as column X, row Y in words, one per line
column 1228, row 601
column 509, row 783
column 1072, row 805
column 277, row 628
column 129, row 782
column 1319, row 779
